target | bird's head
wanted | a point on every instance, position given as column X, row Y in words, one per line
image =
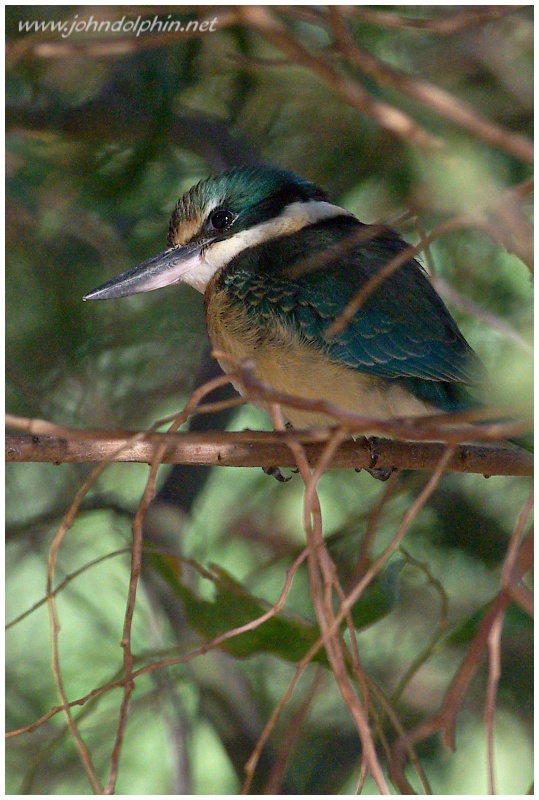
column 219, row 218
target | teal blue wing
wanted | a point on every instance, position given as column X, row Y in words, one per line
column 406, row 332
column 403, row 331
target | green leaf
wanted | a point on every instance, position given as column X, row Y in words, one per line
column 286, row 635
column 515, row 620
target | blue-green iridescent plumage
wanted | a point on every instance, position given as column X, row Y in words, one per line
column 403, row 332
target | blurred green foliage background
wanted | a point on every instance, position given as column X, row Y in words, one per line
column 100, row 144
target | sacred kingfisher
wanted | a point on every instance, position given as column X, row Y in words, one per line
column 277, row 261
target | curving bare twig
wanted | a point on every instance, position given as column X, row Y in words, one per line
column 444, row 25
column 429, row 95
column 518, row 561
column 392, row 119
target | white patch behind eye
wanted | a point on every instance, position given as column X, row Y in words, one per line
column 293, row 218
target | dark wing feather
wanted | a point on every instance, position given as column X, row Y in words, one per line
column 402, row 331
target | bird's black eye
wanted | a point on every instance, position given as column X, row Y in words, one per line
column 221, row 219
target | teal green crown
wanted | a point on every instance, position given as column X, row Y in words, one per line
column 255, row 194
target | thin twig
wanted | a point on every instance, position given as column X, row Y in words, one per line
column 387, row 116
column 183, row 659
column 364, row 558
column 447, row 292
column 67, row 522
column 61, row 586
column 494, row 674
column 370, row 286
column 136, row 565
column 429, row 95
column 252, row 762
column 290, row 735
column 332, row 641
column 446, row 24
column 445, row 720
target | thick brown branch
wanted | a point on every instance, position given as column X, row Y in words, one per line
column 261, row 449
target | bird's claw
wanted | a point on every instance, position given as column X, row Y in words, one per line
column 380, row 473
column 276, row 473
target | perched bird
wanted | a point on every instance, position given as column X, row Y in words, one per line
column 277, row 262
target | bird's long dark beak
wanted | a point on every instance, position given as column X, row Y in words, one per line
column 168, row 267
